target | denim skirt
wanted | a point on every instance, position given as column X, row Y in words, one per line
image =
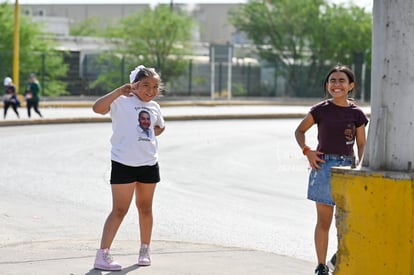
column 319, row 187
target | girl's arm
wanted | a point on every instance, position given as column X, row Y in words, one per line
column 360, row 141
column 304, row 126
column 102, row 105
column 158, row 130
column 312, row 155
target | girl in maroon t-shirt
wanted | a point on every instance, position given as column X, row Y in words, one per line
column 340, row 124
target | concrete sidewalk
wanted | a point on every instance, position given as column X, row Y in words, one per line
column 86, row 115
column 81, row 112
column 77, row 256
column 72, row 112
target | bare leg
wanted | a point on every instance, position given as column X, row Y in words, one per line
column 325, row 216
column 121, row 199
column 144, row 195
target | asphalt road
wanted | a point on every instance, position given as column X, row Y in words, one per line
column 235, row 183
column 231, row 182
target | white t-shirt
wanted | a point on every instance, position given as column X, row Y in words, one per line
column 133, row 139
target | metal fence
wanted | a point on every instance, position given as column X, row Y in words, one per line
column 248, row 79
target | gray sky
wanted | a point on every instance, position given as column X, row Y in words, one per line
column 363, row 3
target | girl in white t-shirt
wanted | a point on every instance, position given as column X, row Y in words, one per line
column 136, row 121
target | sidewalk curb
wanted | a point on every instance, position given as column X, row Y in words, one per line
column 44, row 121
column 185, row 103
column 196, row 103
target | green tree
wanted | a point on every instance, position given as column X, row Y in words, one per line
column 279, row 30
column 155, row 37
column 302, row 37
column 36, row 53
column 89, row 27
column 344, row 32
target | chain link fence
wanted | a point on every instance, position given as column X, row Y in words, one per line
column 249, row 77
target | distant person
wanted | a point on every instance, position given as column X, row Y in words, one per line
column 134, row 159
column 340, row 123
column 10, row 97
column 32, row 95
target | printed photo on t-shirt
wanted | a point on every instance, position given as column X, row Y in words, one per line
column 144, row 126
column 349, row 134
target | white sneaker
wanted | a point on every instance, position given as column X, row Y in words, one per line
column 332, row 263
column 104, row 261
column 144, row 256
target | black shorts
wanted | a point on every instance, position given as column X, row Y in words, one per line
column 121, row 173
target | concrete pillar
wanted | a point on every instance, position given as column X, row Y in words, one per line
column 375, row 204
column 390, row 140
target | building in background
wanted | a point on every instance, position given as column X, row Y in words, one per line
column 213, row 28
column 212, row 18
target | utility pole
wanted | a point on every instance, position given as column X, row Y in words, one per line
column 375, row 203
column 16, row 45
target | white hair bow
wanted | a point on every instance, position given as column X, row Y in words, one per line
column 7, row 81
column 135, row 72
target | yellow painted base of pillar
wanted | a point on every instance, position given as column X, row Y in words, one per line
column 374, row 219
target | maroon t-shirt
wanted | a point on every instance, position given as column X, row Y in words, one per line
column 337, row 126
